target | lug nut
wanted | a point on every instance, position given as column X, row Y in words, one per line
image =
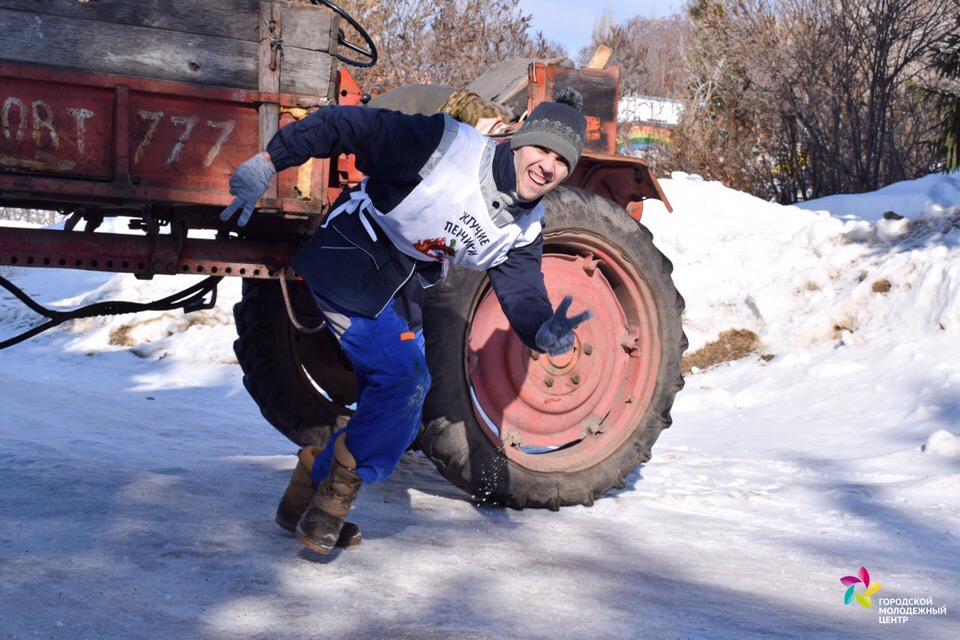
column 575, row 378
column 587, row 349
column 548, row 381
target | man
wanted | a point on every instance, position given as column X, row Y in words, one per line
column 437, row 193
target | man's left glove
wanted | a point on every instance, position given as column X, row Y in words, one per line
column 249, row 182
column 556, row 334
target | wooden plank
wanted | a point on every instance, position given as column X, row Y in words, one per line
column 102, row 47
column 309, row 73
column 308, row 41
column 146, row 52
column 313, row 27
column 600, row 58
column 233, row 19
column 309, row 27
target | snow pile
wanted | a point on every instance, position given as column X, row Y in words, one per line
column 798, row 276
column 195, row 336
column 943, row 443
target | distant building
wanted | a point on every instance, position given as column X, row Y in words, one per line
column 646, row 122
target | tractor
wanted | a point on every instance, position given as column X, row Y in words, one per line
column 143, row 111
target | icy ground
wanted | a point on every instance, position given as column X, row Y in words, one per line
column 138, row 480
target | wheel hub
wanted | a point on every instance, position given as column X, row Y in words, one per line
column 538, row 404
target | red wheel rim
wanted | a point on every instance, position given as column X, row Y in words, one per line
column 570, row 412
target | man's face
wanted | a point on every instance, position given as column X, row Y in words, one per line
column 538, row 171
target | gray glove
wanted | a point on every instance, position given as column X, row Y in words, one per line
column 556, row 334
column 249, row 182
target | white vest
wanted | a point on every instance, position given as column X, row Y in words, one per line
column 445, row 217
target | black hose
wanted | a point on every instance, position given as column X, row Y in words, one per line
column 190, row 299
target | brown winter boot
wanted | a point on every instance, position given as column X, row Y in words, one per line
column 321, row 526
column 297, row 497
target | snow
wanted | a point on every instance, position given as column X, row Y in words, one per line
column 139, row 480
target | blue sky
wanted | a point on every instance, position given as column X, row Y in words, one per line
column 570, row 22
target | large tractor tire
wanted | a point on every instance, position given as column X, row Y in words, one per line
column 302, row 382
column 521, row 429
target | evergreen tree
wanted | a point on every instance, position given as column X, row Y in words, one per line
column 946, row 94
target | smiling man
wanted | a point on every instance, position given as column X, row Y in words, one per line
column 437, row 193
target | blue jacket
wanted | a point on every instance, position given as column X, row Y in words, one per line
column 391, row 148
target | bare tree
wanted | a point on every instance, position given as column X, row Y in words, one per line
column 724, row 132
column 446, row 42
column 863, row 100
column 649, row 52
column 794, row 99
column 30, row 216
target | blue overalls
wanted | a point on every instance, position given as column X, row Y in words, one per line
column 392, row 382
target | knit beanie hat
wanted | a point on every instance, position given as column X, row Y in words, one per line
column 558, row 126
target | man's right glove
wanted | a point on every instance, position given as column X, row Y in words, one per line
column 555, row 336
column 249, row 182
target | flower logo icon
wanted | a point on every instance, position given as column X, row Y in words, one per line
column 862, row 577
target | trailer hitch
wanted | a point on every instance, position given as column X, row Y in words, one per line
column 190, row 299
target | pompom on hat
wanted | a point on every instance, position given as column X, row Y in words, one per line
column 558, row 126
